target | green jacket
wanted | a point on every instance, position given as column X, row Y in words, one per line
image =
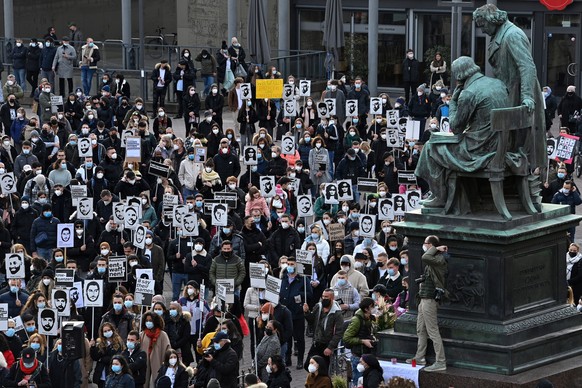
column 233, row 268
column 355, row 333
column 435, row 268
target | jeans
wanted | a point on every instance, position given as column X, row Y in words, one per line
column 177, row 280
column 330, row 164
column 186, row 192
column 208, row 81
column 355, row 373
column 45, row 253
column 20, row 75
column 86, row 79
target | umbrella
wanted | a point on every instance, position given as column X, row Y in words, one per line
column 259, row 48
column 333, row 31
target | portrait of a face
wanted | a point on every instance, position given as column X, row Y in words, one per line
column 93, row 291
column 179, row 214
column 331, row 191
column 386, row 207
column 250, row 154
column 402, row 123
column 305, row 205
column 140, row 235
column 65, row 234
column 84, row 145
column 376, row 105
column 287, row 90
column 413, row 199
column 245, row 91
column 344, row 188
column 322, row 109
column 131, row 216
column 14, row 264
column 393, row 139
column 351, row 108
column 190, row 222
column 85, row 206
column 399, row 203
column 290, row 107
column 267, row 185
column 288, row 144
column 47, row 319
column 219, row 212
column 60, row 300
column 304, row 86
column 330, row 104
column 74, row 294
column 118, row 210
column 392, row 118
column 551, row 146
column 366, row 224
column 7, row 182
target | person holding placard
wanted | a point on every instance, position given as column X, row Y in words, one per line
column 228, row 265
column 63, row 372
column 15, row 297
column 293, row 294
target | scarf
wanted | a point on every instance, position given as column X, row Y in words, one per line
column 570, row 261
column 28, row 371
column 153, row 335
column 210, row 176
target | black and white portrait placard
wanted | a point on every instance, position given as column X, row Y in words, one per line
column 385, row 209
column 178, row 215
column 190, row 225
column 118, row 211
column 392, row 117
column 246, row 92
column 344, row 188
column 322, row 110
column 288, row 92
column 219, row 214
column 304, row 206
column 8, row 183
column 48, row 321
column 267, row 184
column 139, row 237
column 375, row 106
column 331, row 196
column 331, row 108
column 367, row 225
column 93, row 293
column 250, row 155
column 288, row 145
column 393, row 139
column 84, row 147
column 399, row 204
column 85, row 209
column 304, row 88
column 290, row 108
column 61, row 302
column 351, row 107
column 413, row 200
column 130, row 217
column 15, row 266
column 65, row 235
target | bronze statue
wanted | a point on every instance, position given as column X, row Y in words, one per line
column 473, row 144
column 512, row 62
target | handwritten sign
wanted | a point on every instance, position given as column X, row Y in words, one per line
column 269, row 88
column 144, row 291
column 336, row 232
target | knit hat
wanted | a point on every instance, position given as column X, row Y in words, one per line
column 106, row 88
column 193, row 283
column 159, row 298
column 49, row 273
column 361, row 256
column 207, row 113
column 400, row 100
column 213, row 383
column 224, row 46
column 25, row 198
column 199, row 240
column 354, row 226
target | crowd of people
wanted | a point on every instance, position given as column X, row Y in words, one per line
column 356, row 286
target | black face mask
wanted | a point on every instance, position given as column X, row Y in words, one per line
column 379, row 264
column 573, row 254
column 227, row 255
column 269, row 332
column 326, row 303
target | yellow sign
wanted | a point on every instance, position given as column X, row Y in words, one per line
column 269, row 88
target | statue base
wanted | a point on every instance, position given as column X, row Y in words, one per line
column 507, row 310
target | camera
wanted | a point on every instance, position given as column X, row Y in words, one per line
column 209, row 351
column 420, row 279
column 438, row 294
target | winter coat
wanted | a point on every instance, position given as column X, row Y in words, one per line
column 125, row 322
column 103, row 358
column 317, row 381
column 88, row 53
column 64, row 60
column 43, row 233
column 179, row 334
column 233, row 268
column 255, row 244
column 208, row 64
column 283, row 242
column 226, row 165
column 350, row 169
column 358, row 329
column 16, row 375
column 278, row 167
column 137, row 364
column 226, row 366
column 156, row 74
column 47, row 56
column 298, row 287
column 238, row 245
column 268, row 347
column 58, row 365
column 201, row 271
column 156, row 358
column 21, row 226
column 19, row 57
column 181, row 377
column 259, row 203
column 355, row 278
column 328, row 327
column 115, row 380
column 33, row 59
column 280, row 379
column 410, row 71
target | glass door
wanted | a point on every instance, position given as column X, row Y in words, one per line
column 562, row 60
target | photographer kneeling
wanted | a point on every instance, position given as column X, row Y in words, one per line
column 223, row 360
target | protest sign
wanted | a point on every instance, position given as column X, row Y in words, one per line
column 385, row 209
column 15, row 265
column 76, row 293
column 93, row 293
column 290, row 108
column 64, row 277
column 565, row 148
column 65, row 235
column 392, row 117
column 117, row 269
column 257, row 275
column 158, row 169
column 288, row 92
column 551, row 147
column 352, row 108
column 305, row 260
column 413, row 129
column 85, row 209
column 344, row 189
column 331, row 196
column 269, row 88
column 4, row 317
column 144, row 273
column 219, row 215
column 48, row 321
column 8, row 183
column 331, row 106
column 139, row 237
column 250, row 155
column 445, row 125
column 368, row 185
column 179, row 212
column 61, row 301
column 18, row 324
column 190, row 225
column 412, row 200
column 77, row 192
column 267, row 184
column 144, row 291
column 367, row 225
column 272, row 289
column 228, row 197
column 406, row 177
column 225, row 294
column 85, row 148
column 304, row 88
column 399, row 204
column 336, row 232
column 246, row 92
column 133, row 149
column 375, row 106
column 288, row 145
column 200, row 154
column 304, row 206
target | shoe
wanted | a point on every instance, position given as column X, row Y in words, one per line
column 299, row 365
column 288, row 362
column 421, row 361
column 436, row 367
column 178, row 116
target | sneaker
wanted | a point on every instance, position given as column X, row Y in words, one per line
column 421, row 361
column 436, row 367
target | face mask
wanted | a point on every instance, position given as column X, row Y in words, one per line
column 116, row 368
column 312, row 368
column 139, row 106
column 99, row 175
column 309, row 103
column 24, row 205
column 58, row 193
column 25, row 152
column 42, row 200
column 148, row 241
column 341, row 282
column 561, row 175
column 149, row 325
column 159, row 312
column 35, row 346
column 290, row 269
column 46, row 282
column 91, row 117
column 42, row 305
column 224, row 151
column 326, row 303
column 48, row 214
column 216, row 346
column 301, row 229
column 327, row 222
column 424, row 247
column 392, row 248
column 358, row 265
column 346, row 268
column 403, row 261
column 565, row 191
column 226, row 230
column 391, row 272
column 361, row 368
column 215, row 131
column 10, row 332
column 214, row 91
column 101, row 270
column 173, row 313
column 59, row 259
column 373, row 204
column 433, row 126
column 117, row 306
column 318, row 145
column 128, row 304
column 173, row 361
column 30, row 329
column 93, row 141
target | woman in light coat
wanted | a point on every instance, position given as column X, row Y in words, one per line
column 155, row 342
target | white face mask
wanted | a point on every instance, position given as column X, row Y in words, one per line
column 232, row 186
column 148, row 241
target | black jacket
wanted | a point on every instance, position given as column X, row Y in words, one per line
column 277, row 166
column 226, row 165
column 156, row 74
column 350, row 169
column 179, row 334
column 137, row 364
column 181, row 378
column 200, row 272
column 33, row 59
column 16, row 375
column 255, row 244
column 280, row 379
column 283, row 242
column 410, row 71
column 226, row 366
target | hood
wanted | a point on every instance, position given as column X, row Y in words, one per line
column 352, row 263
column 158, row 65
column 549, row 90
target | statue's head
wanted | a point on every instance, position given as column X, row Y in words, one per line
column 463, row 68
column 489, row 18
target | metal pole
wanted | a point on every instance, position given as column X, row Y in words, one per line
column 283, row 25
column 8, row 28
column 373, row 47
column 141, row 50
column 126, row 30
column 232, row 18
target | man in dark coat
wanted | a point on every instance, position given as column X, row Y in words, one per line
column 161, row 77
column 283, row 242
column 226, row 163
column 410, row 74
column 224, row 361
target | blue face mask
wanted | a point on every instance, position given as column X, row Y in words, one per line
column 10, row 332
column 367, row 241
column 130, row 345
column 89, row 164
column 391, row 272
column 291, row 269
column 60, row 348
column 307, row 139
column 159, row 312
column 48, row 214
column 149, row 325
column 314, row 236
column 374, row 297
column 73, row 142
column 14, row 289
column 259, row 156
column 216, row 346
column 117, row 306
column 191, row 157
column 30, row 329
column 341, row 282
column 403, row 261
column 173, row 313
column 41, row 305
column 257, row 219
column 128, row 304
column 561, row 175
column 198, row 203
column 224, row 331
column 101, row 270
column 116, row 368
column 35, row 346
column 226, row 230
column 59, row 259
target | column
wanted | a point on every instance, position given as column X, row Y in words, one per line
column 232, row 19
column 8, row 26
column 283, row 17
column 373, row 47
column 126, row 34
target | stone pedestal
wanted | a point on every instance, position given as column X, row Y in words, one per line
column 507, row 312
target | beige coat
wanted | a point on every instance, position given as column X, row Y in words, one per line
column 156, row 358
